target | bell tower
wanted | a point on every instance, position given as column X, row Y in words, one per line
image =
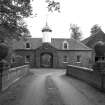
column 46, row 34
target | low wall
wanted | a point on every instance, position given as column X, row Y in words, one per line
column 12, row 75
column 94, row 78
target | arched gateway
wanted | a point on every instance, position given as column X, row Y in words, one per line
column 46, row 60
column 46, row 56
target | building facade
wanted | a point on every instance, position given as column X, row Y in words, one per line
column 98, row 36
column 53, row 52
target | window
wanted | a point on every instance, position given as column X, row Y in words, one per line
column 27, row 58
column 12, row 60
column 65, row 45
column 65, row 59
column 28, row 45
column 78, row 58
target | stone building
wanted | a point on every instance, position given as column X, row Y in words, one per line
column 53, row 52
column 98, row 36
column 94, row 38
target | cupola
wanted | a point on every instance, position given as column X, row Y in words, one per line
column 46, row 30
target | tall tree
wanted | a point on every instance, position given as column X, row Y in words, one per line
column 95, row 29
column 12, row 13
column 76, row 33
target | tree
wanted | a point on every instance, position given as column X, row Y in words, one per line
column 12, row 13
column 76, row 34
column 53, row 6
column 95, row 29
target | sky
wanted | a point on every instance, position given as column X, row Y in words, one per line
column 84, row 13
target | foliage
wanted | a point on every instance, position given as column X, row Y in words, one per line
column 12, row 13
column 99, row 48
column 76, row 34
column 53, row 6
column 95, row 29
column 3, row 51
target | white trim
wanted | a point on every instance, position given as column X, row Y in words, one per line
column 65, row 42
column 26, row 45
column 65, row 60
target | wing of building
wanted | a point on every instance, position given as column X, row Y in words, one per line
column 93, row 39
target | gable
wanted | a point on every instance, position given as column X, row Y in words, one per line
column 90, row 41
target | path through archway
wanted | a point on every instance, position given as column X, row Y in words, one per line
column 46, row 60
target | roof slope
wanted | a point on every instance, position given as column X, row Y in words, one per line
column 55, row 42
column 73, row 44
column 90, row 41
column 35, row 43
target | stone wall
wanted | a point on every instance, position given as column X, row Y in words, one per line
column 58, row 57
column 12, row 75
column 95, row 79
column 85, row 57
column 30, row 53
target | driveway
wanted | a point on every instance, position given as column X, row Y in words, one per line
column 51, row 87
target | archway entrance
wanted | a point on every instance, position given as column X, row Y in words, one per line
column 46, row 60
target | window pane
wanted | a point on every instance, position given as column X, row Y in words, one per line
column 78, row 58
column 27, row 58
column 65, row 45
column 65, row 59
column 27, row 45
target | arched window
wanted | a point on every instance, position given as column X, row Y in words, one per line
column 65, row 45
column 28, row 45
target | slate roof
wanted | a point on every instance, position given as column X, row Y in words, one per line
column 90, row 41
column 55, row 42
column 73, row 44
column 35, row 43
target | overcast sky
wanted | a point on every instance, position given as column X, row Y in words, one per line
column 84, row 13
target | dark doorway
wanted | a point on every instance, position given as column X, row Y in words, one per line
column 46, row 60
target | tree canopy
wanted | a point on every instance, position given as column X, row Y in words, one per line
column 76, row 34
column 53, row 6
column 95, row 29
column 12, row 13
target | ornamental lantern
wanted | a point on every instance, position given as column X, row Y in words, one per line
column 46, row 34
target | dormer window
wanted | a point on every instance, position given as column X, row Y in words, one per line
column 28, row 45
column 65, row 45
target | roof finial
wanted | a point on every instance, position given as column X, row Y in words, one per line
column 46, row 23
column 46, row 20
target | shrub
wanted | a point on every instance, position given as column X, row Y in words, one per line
column 99, row 48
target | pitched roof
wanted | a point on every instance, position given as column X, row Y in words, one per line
column 90, row 41
column 55, row 42
column 73, row 44
column 35, row 43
